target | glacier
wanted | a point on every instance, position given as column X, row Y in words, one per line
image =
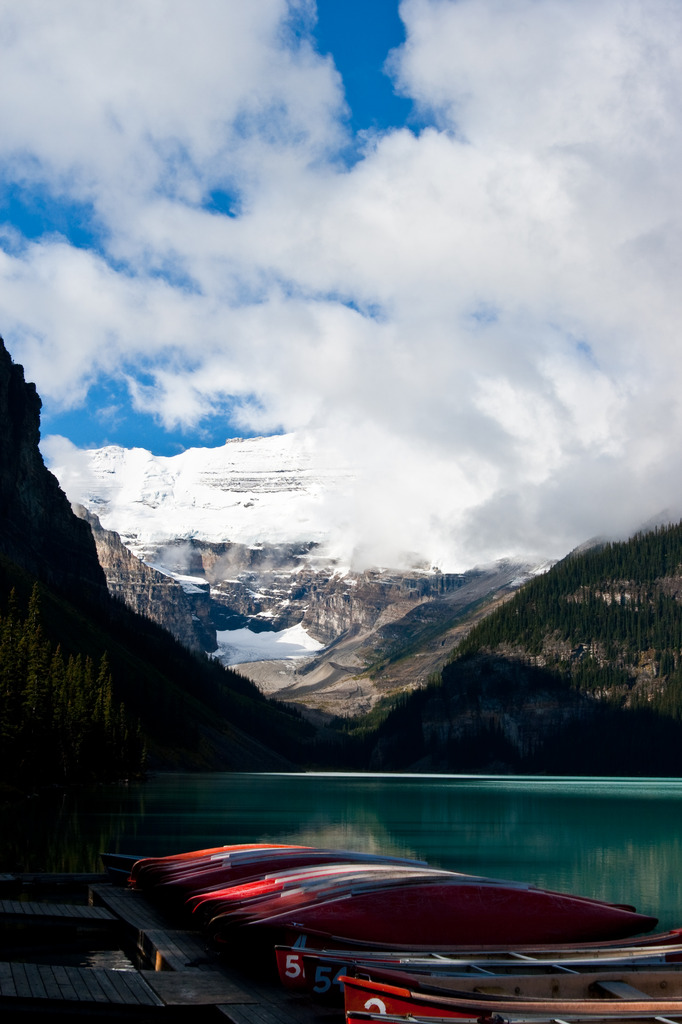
column 242, row 646
column 256, row 491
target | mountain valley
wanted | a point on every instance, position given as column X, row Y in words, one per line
column 214, row 541
column 572, row 669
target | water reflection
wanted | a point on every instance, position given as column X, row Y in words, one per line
column 611, row 838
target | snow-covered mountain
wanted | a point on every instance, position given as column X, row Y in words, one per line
column 256, row 527
column 264, row 490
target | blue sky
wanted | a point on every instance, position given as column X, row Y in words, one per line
column 358, row 36
column 437, row 238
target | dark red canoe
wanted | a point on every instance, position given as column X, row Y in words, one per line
column 460, row 910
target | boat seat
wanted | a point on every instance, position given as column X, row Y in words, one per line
column 618, row 990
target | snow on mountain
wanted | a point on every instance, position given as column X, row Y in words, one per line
column 237, row 646
column 270, row 490
column 265, row 532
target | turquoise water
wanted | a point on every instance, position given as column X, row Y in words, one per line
column 615, row 839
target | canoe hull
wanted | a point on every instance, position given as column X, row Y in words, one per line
column 459, row 914
column 364, row 995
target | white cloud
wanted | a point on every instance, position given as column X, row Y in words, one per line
column 484, row 316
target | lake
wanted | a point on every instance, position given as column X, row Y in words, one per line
column 614, row 839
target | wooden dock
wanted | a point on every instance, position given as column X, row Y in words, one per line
column 183, row 977
column 20, row 910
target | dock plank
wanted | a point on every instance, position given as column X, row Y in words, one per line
column 139, row 989
column 194, row 988
column 170, row 949
column 129, row 906
column 21, row 981
column 111, row 990
column 188, row 974
column 91, row 980
column 87, row 985
column 257, row 1013
column 62, row 911
column 52, row 989
column 35, row 982
column 76, row 977
column 64, row 982
column 7, row 986
column 121, row 988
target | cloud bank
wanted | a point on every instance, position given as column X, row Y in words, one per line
column 482, row 316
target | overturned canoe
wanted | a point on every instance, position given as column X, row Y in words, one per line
column 458, row 910
column 281, row 890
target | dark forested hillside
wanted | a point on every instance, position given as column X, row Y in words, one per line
column 104, row 693
column 580, row 672
column 609, row 621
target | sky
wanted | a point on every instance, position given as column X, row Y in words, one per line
column 438, row 238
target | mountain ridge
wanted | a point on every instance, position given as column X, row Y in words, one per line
column 250, row 520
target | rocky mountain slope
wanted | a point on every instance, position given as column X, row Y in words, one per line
column 246, row 530
column 183, row 610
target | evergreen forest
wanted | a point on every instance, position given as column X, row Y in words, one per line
column 577, row 672
column 59, row 718
column 100, row 693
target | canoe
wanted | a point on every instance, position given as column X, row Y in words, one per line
column 239, row 867
column 607, row 995
column 173, row 879
column 619, row 983
column 259, row 895
column 365, row 1017
column 152, row 871
column 372, row 900
column 319, row 971
column 458, row 910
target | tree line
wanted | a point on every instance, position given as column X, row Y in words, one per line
column 604, row 619
column 60, row 719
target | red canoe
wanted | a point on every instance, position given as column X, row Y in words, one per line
column 175, row 878
column 458, row 910
column 609, row 997
column 319, row 970
column 374, row 901
column 149, row 872
column 280, row 890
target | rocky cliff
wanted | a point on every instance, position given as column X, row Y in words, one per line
column 185, row 611
column 38, row 530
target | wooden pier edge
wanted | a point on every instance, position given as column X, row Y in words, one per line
column 186, row 972
column 183, row 973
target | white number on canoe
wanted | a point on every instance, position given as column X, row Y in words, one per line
column 294, row 966
column 378, row 1005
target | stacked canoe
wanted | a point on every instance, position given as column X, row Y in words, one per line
column 398, row 937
